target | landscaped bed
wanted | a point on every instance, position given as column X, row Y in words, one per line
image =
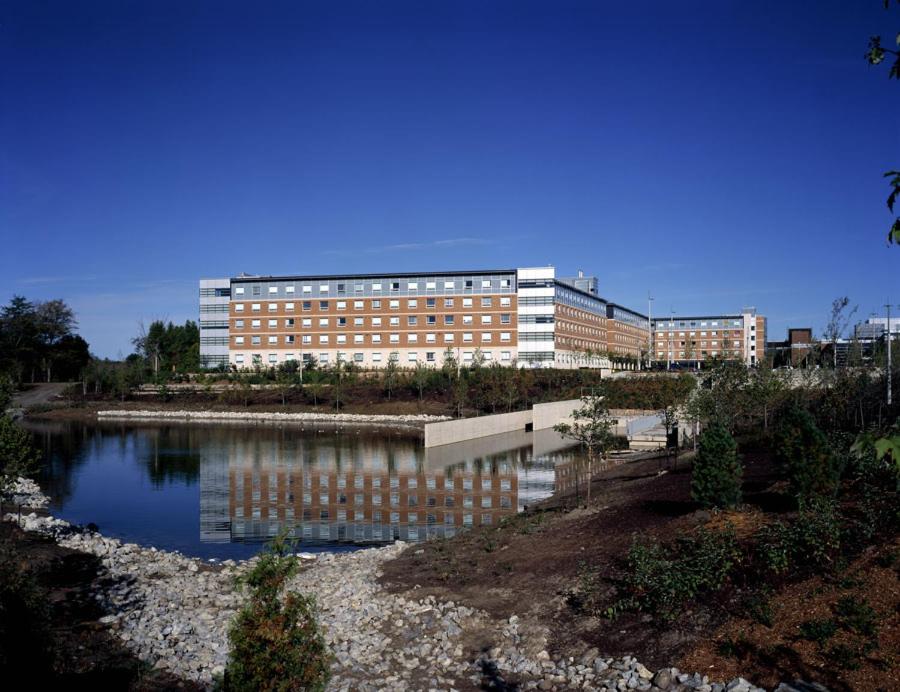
column 561, row 564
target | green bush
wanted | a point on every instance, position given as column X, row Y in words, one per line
column 717, row 472
column 819, row 631
column 812, row 540
column 662, row 581
column 275, row 640
column 856, row 615
column 805, row 456
column 18, row 456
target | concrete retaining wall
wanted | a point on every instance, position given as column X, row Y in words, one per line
column 448, row 432
column 550, row 414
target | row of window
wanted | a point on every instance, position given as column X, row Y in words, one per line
column 324, row 339
column 411, row 321
column 448, row 285
column 340, row 482
column 411, row 357
column 394, row 304
column 393, row 500
column 359, row 515
column 710, row 323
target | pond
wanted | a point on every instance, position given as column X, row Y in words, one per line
column 221, row 490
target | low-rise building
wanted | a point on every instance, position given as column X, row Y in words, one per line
column 689, row 340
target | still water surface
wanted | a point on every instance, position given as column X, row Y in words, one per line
column 221, row 490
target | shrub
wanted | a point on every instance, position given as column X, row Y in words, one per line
column 819, row 631
column 856, row 615
column 18, row 457
column 805, row 456
column 275, row 641
column 717, row 472
column 812, row 540
column 661, row 581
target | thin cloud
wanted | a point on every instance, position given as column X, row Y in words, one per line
column 401, row 247
column 39, row 280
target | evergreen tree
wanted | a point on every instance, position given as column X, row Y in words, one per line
column 805, row 456
column 717, row 471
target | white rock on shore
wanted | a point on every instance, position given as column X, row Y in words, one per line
column 411, row 420
column 173, row 612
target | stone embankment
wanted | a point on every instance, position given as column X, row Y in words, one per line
column 173, row 612
column 341, row 419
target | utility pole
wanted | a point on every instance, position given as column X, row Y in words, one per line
column 888, row 306
column 649, row 330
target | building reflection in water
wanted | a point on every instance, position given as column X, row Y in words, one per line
column 348, row 489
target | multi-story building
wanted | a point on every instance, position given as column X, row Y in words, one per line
column 510, row 316
column 691, row 340
column 214, row 300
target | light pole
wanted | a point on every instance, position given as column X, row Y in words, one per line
column 649, row 331
column 888, row 373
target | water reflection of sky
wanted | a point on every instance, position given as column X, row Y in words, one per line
column 220, row 490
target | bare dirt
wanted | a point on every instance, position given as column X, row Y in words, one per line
column 532, row 563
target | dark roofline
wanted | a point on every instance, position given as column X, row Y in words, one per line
column 379, row 275
column 702, row 317
column 633, row 312
column 582, row 292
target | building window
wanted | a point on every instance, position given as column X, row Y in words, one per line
column 376, row 357
column 430, row 302
column 395, row 338
column 448, row 338
column 238, row 340
column 323, row 321
column 430, row 319
column 239, row 358
column 505, row 355
column 448, row 302
column 323, row 305
column 412, row 338
column 486, row 302
column 429, row 356
column 412, row 320
column 273, row 324
column 412, row 304
column 255, row 324
column 486, row 319
column 505, row 301
column 376, row 305
column 239, row 324
column 239, row 290
column 357, row 305
column 342, row 305
column 394, row 304
column 376, row 321
column 323, row 338
column 412, row 356
column 306, row 322
column 238, row 307
column 504, row 336
column 448, row 319
column 430, row 338
column 505, row 318
column 273, row 358
column 255, row 307
column 376, row 287
column 255, row 340
column 376, row 338
column 307, row 305
column 467, row 337
column 467, row 302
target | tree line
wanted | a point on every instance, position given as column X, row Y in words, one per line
column 38, row 341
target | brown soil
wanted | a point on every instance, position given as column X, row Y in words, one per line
column 83, row 653
column 529, row 564
column 780, row 652
column 533, row 563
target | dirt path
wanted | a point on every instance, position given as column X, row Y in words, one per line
column 39, row 394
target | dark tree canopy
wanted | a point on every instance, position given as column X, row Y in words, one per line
column 38, row 341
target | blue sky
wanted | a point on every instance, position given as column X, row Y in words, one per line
column 716, row 153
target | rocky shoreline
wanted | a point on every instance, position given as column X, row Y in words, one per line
column 416, row 421
column 173, row 612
